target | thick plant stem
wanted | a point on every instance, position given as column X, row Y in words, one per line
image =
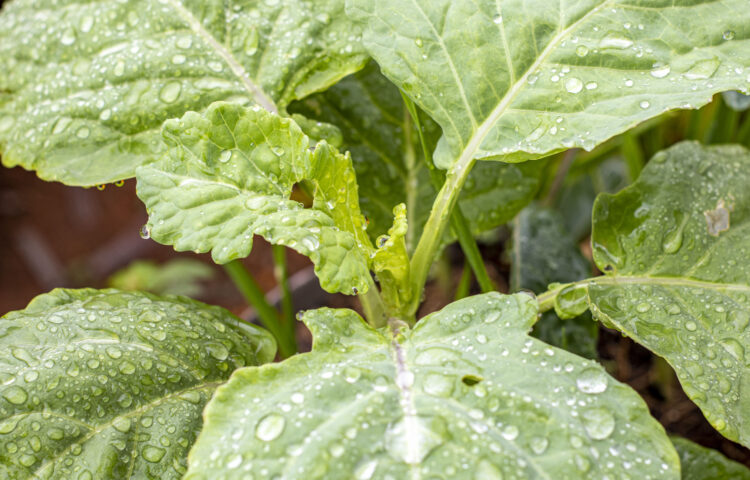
column 634, row 158
column 458, row 221
column 249, row 288
column 282, row 277
column 435, row 226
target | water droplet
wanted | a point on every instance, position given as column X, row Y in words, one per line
column 235, row 461
column 615, row 40
column 184, row 42
column 217, row 351
column 591, row 86
column 582, row 50
column 297, row 398
column 538, row 445
column 419, row 42
column 703, row 69
column 352, row 374
column 592, row 380
column 83, row 132
column 145, row 232
column 15, row 395
column 68, row 37
column 179, row 59
column 251, row 42
column 438, row 385
column 225, row 155
column 170, row 92
column 645, row 104
column 270, row 427
column 153, row 454
column 510, row 432
column 739, row 319
column 487, row 471
column 119, row 69
column 573, row 85
column 660, row 70
column 127, row 368
column 691, row 326
column 728, row 35
column 599, row 423
column 643, row 307
column 122, row 424
column 734, row 348
column 27, row 460
column 412, row 438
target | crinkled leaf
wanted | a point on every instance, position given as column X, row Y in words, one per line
column 391, row 263
column 91, row 83
column 700, row 463
column 542, row 253
column 228, row 175
column 388, row 159
column 675, row 248
column 514, row 80
column 464, row 395
column 104, row 384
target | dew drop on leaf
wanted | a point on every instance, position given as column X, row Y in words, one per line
column 598, row 422
column 270, row 427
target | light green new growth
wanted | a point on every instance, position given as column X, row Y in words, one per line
column 110, row 385
column 466, row 394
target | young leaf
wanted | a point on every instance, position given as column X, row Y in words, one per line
column 389, row 162
column 89, row 84
column 674, row 247
column 391, row 263
column 514, row 80
column 542, row 253
column 228, row 175
column 700, row 463
column 104, row 384
column 466, row 394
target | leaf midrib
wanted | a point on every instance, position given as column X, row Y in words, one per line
column 615, row 280
column 467, row 155
column 239, row 71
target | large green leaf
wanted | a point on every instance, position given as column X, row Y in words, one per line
column 228, row 175
column 675, row 248
column 466, row 394
column 388, row 159
column 543, row 252
column 519, row 79
column 104, row 384
column 91, row 83
column 700, row 463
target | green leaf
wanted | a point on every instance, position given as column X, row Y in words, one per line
column 181, row 276
column 89, row 84
column 466, row 394
column 104, row 384
column 675, row 248
column 510, row 80
column 391, row 264
column 700, row 463
column 388, row 159
column 542, row 253
column 228, row 175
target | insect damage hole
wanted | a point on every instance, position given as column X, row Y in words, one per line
column 471, row 380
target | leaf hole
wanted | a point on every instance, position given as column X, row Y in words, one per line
column 471, row 380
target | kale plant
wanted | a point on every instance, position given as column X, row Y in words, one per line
column 406, row 126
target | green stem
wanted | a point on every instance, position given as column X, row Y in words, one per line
column 282, row 277
column 249, row 288
column 743, row 135
column 373, row 306
column 435, row 226
column 464, row 283
column 458, row 222
column 633, row 153
column 547, row 299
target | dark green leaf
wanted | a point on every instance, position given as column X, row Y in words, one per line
column 104, row 384
column 675, row 248
column 542, row 253
column 700, row 463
